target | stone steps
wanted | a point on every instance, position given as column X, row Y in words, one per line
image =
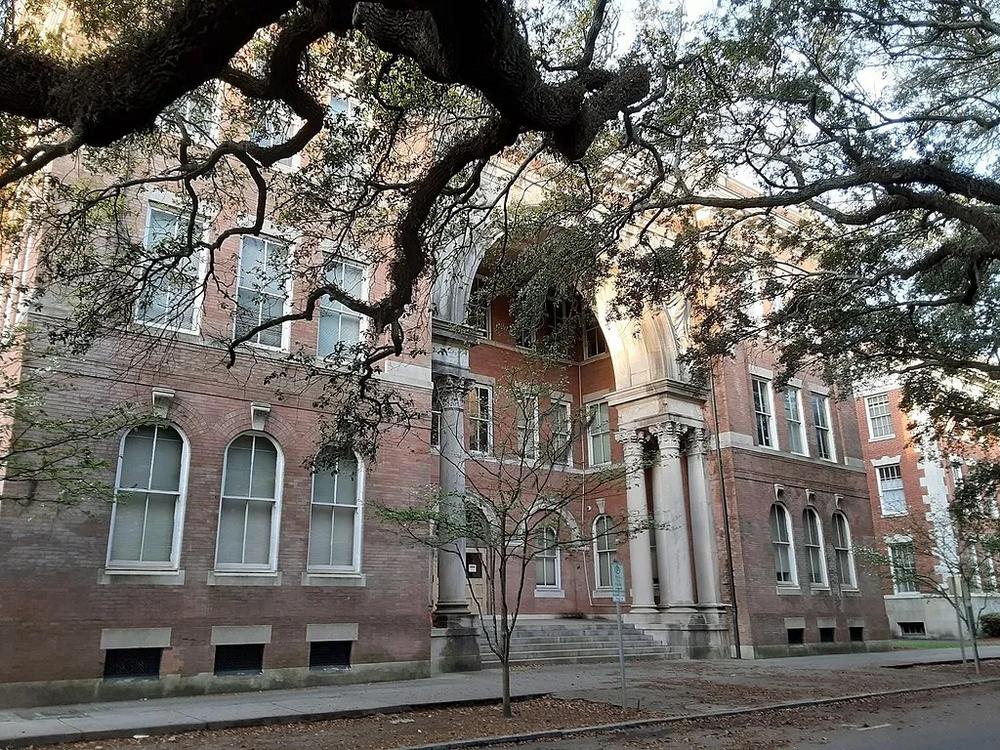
column 575, row 642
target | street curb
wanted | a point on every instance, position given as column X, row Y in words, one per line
column 554, row 734
column 197, row 725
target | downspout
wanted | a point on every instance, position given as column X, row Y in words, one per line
column 725, row 521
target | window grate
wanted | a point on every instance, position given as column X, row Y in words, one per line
column 143, row 663
column 912, row 628
column 330, row 654
column 242, row 658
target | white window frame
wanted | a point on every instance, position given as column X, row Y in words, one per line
column 279, row 479
column 522, row 424
column 561, row 407
column 486, row 331
column 874, row 434
column 848, row 551
column 798, row 426
column 611, row 551
column 476, row 391
column 544, row 554
column 179, row 509
column 293, row 125
column 764, row 410
column 892, row 567
column 879, row 481
column 327, row 305
column 286, row 328
column 355, row 566
column 827, row 428
column 790, row 545
column 591, row 434
column 201, row 266
column 820, row 545
column 216, row 114
column 593, row 324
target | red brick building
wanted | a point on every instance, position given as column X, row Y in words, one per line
column 912, row 480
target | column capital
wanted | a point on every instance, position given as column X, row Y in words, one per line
column 632, row 442
column 452, row 390
column 668, row 436
column 697, row 441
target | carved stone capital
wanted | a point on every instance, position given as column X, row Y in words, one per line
column 668, row 437
column 452, row 390
column 697, row 441
column 633, row 442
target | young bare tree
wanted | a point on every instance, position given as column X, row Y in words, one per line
column 949, row 553
column 524, row 503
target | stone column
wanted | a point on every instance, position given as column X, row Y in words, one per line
column 452, row 391
column 640, row 559
column 706, row 559
column 673, row 553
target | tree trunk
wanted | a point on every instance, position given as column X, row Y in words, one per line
column 505, row 666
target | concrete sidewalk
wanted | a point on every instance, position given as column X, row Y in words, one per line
column 661, row 686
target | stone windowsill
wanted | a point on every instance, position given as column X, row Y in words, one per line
column 358, row 580
column 547, row 593
column 788, row 591
column 244, row 578
column 141, row 577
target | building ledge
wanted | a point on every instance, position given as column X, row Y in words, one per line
column 356, row 580
column 549, row 593
column 141, row 577
column 225, row 578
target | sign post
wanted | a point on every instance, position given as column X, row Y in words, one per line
column 618, row 595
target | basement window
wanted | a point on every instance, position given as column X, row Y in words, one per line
column 912, row 628
column 796, row 636
column 136, row 663
column 857, row 633
column 239, row 659
column 827, row 635
column 330, row 655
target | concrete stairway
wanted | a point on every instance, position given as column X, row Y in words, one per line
column 566, row 641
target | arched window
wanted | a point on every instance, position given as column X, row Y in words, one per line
column 251, row 493
column 844, row 552
column 781, row 541
column 604, row 550
column 148, row 511
column 335, row 524
column 814, row 547
column 547, row 573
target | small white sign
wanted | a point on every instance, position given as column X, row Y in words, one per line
column 617, row 582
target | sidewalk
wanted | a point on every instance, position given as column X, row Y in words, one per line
column 669, row 686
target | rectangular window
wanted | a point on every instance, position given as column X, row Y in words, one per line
column 171, row 294
column 904, row 568
column 239, row 659
column 562, row 432
column 915, row 627
column 527, row 426
column 435, row 417
column 599, row 434
column 796, row 636
column 262, row 293
column 137, row 663
column 890, row 490
column 201, row 110
column 793, row 419
column 339, row 326
column 334, row 527
column 827, row 635
column 594, row 344
column 857, row 633
column 821, row 421
column 478, row 317
column 547, row 560
column 481, row 419
column 879, row 416
column 276, row 126
column 604, row 543
column 330, row 655
column 763, row 413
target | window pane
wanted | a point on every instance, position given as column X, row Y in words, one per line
column 320, row 534
column 159, row 528
column 265, row 467
column 347, row 482
column 258, row 543
column 324, row 486
column 251, row 262
column 167, row 462
column 350, row 329
column 231, row 531
column 237, row 482
column 137, row 454
column 343, row 536
column 130, row 508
